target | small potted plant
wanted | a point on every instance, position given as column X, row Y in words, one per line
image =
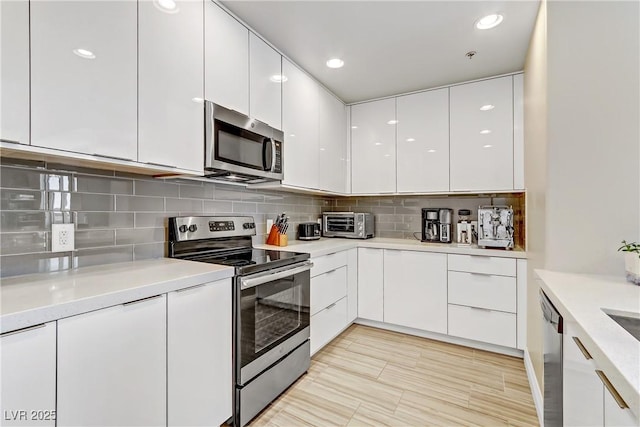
column 631, row 260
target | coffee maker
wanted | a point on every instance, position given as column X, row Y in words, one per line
column 430, row 226
column 445, row 218
column 466, row 229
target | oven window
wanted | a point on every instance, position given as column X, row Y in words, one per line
column 341, row 224
column 239, row 147
column 272, row 312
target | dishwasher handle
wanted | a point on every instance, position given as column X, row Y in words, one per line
column 549, row 312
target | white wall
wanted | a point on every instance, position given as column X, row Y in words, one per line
column 593, row 197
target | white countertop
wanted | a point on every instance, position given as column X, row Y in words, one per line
column 37, row 298
column 326, row 246
column 581, row 298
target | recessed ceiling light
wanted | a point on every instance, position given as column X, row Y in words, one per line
column 487, row 146
column 489, row 21
column 354, row 127
column 292, row 135
column 322, row 149
column 167, row 6
column 198, row 100
column 84, row 53
column 485, row 132
column 410, row 139
column 278, row 78
column 392, row 122
column 335, row 63
column 487, row 107
column 431, row 151
column 378, row 143
column 387, row 155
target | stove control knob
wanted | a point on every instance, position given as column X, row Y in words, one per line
column 245, row 225
column 183, row 228
column 193, row 228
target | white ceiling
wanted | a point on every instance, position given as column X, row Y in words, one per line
column 392, row 47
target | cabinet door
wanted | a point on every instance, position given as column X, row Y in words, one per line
column 423, row 142
column 482, row 135
column 112, row 366
column 14, row 71
column 370, row 284
column 300, row 126
column 415, row 290
column 518, row 132
column 28, row 366
column 84, row 76
column 352, row 285
column 171, row 88
column 226, row 59
column 615, row 416
column 373, row 147
column 582, row 390
column 265, row 82
column 332, row 143
column 199, row 355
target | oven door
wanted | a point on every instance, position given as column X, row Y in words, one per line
column 272, row 317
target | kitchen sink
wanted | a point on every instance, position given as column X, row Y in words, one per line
column 628, row 323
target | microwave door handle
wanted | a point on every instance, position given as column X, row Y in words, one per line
column 268, row 162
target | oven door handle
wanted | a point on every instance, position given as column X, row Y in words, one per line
column 250, row 282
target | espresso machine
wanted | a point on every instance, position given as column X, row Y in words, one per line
column 445, row 219
column 430, row 225
column 466, row 229
column 496, row 227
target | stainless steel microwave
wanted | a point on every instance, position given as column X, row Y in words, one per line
column 239, row 148
column 352, row 225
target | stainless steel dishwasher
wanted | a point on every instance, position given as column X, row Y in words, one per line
column 552, row 352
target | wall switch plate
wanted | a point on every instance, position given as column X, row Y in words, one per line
column 269, row 225
column 62, row 237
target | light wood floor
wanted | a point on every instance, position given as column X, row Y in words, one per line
column 372, row 377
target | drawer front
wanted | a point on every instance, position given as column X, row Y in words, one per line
column 483, row 291
column 483, row 264
column 328, row 288
column 328, row 262
column 493, row 327
column 326, row 324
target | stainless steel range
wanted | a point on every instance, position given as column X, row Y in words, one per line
column 270, row 306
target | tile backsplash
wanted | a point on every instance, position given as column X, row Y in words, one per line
column 118, row 216
column 123, row 217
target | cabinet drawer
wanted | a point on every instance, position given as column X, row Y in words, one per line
column 328, row 262
column 483, row 264
column 483, row 291
column 328, row 288
column 326, row 324
column 493, row 327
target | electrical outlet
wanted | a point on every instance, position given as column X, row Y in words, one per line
column 62, row 237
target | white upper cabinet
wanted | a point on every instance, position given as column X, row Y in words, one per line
column 84, row 76
column 265, row 82
column 300, row 126
column 482, row 135
column 518, row 132
column 226, row 59
column 14, row 71
column 373, row 147
column 170, row 84
column 332, row 143
column 423, row 142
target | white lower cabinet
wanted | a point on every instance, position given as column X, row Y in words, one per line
column 199, row 366
column 480, row 324
column 112, row 366
column 582, row 390
column 331, row 296
column 371, row 284
column 352, row 285
column 28, row 367
column 415, row 290
column 587, row 395
column 328, row 323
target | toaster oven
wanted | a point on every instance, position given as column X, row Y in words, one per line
column 352, row 225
